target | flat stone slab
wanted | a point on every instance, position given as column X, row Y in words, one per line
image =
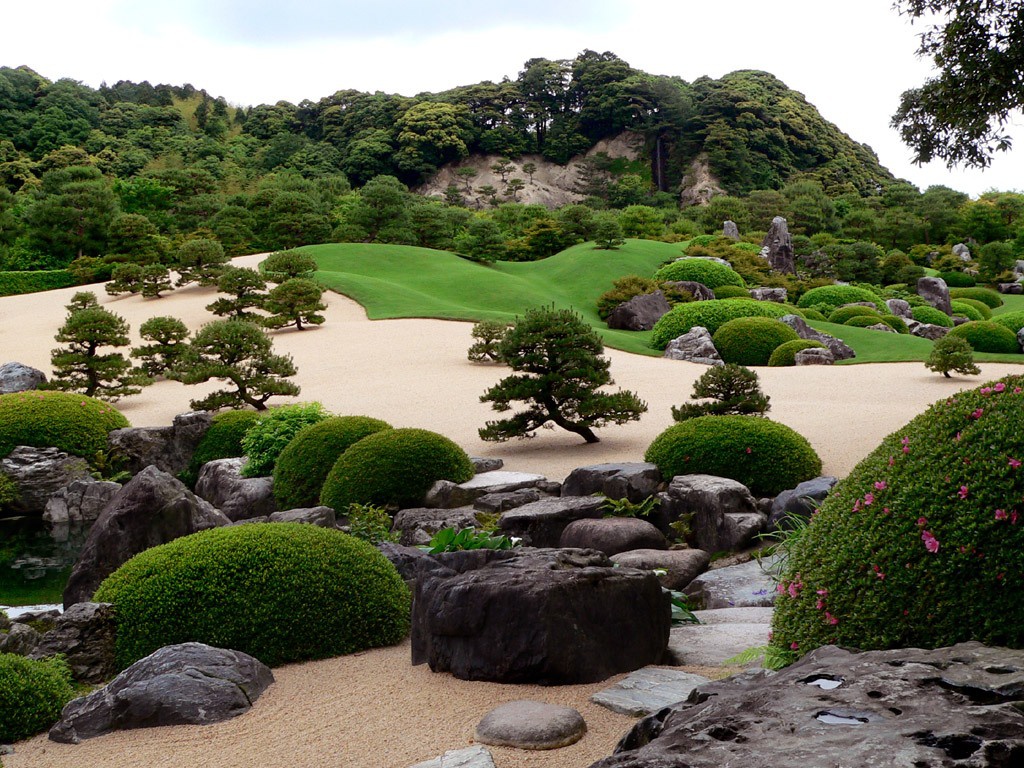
column 531, row 725
column 501, row 478
column 470, row 757
column 722, row 634
column 735, row 586
column 647, row 690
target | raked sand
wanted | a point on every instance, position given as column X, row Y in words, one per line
column 374, row 710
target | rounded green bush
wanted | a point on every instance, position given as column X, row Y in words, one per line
column 751, row 340
column 986, row 296
column 223, row 440
column 834, row 296
column 32, row 694
column 931, row 316
column 958, row 279
column 864, row 321
column 841, row 315
column 897, row 323
column 785, row 354
column 73, row 423
column 813, row 314
column 395, row 467
column 966, row 310
column 711, row 315
column 281, row 592
column 303, row 465
column 987, row 336
column 710, row 273
column 1012, row 320
column 731, row 292
column 922, row 545
column 984, row 309
column 764, row 455
column 265, row 439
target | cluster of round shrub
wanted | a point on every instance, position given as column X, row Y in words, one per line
column 1012, row 320
column 265, row 439
column 835, row 296
column 32, row 694
column 964, row 309
column 223, row 440
column 710, row 273
column 394, row 467
column 303, row 465
column 847, row 312
column 281, row 592
column 987, row 336
column 711, row 315
column 922, row 545
column 866, row 321
column 931, row 316
column 812, row 314
column 986, row 296
column 983, row 309
column 785, row 354
column 73, row 423
column 751, row 340
column 764, row 455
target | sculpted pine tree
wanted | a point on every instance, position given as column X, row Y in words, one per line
column 284, row 265
column 170, row 343
column 200, row 261
column 294, row 302
column 246, row 290
column 559, row 369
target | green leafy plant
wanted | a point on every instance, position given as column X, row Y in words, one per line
column 987, row 336
column 223, row 440
column 626, row 508
column 682, row 613
column 952, row 353
column 751, row 340
column 726, row 389
column 370, row 523
column 32, row 694
column 450, row 540
column 710, row 273
column 770, row 656
column 268, row 436
column 73, row 423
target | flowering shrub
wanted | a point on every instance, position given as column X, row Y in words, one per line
column 922, row 545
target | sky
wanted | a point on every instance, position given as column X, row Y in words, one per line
column 852, row 60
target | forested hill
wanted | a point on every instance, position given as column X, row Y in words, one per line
column 754, row 132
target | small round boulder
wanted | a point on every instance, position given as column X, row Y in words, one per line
column 612, row 535
column 531, row 725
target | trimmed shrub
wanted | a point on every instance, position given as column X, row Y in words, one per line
column 834, row 296
column 73, row 423
column 966, row 310
column 303, row 465
column 922, row 545
column 731, row 292
column 864, row 321
column 764, row 455
column 281, row 592
column 785, row 354
column 395, row 467
column 931, row 315
column 898, row 324
column 711, row 315
column 987, row 336
column 264, row 440
column 984, row 309
column 751, row 340
column 841, row 315
column 1012, row 320
column 986, row 296
column 32, row 694
column 16, row 283
column 813, row 314
column 952, row 353
column 958, row 279
column 711, row 273
column 724, row 389
column 223, row 440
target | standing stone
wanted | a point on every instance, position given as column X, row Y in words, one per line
column 39, row 473
column 639, row 313
column 240, row 498
column 694, row 346
column 85, row 634
column 730, row 230
column 167, row 448
column 935, row 291
column 777, row 247
column 15, row 377
column 531, row 725
column 900, row 308
column 962, row 252
column 839, row 349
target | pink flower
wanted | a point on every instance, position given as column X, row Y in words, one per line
column 986, row 390
column 976, row 413
column 881, row 485
column 780, row 588
column 856, row 506
column 962, row 493
column 892, row 460
column 921, row 522
column 1013, row 517
column 748, row 450
column 869, row 499
column 822, row 592
column 885, row 510
column 831, row 619
column 1014, row 463
column 819, row 604
column 1001, row 514
column 999, row 387
column 878, row 573
column 794, row 589
column 1016, row 390
column 794, row 645
column 930, row 542
column 957, row 438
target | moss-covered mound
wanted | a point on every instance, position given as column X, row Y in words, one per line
column 970, row 311
column 731, row 292
column 931, row 316
column 264, row 440
column 73, row 423
column 278, row 591
column 764, row 455
column 32, row 694
column 395, row 467
column 986, row 296
column 987, row 336
column 785, row 354
column 922, row 545
column 303, row 465
column 983, row 309
column 711, row 315
column 1014, row 321
column 223, row 440
column 843, row 314
column 710, row 273
column 834, row 296
column 751, row 340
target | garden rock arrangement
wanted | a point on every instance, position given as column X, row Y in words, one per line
column 221, row 483
column 839, row 349
column 628, row 480
column 167, row 448
column 39, row 473
column 85, row 635
column 949, row 706
column 695, row 346
column 639, row 313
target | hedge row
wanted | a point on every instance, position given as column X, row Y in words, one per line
column 15, row 283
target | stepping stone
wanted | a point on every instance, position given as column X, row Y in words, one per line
column 735, row 586
column 531, row 725
column 470, row 757
column 647, row 690
column 722, row 634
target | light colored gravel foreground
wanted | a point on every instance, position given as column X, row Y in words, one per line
column 374, row 710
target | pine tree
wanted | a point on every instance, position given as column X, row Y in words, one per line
column 170, row 343
column 294, row 302
column 246, row 288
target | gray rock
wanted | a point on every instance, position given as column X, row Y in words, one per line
column 699, row 291
column 1010, row 288
column 221, row 483
column 1020, row 338
column 628, row 480
column 839, row 349
column 39, row 473
column 470, row 757
column 485, row 464
column 882, row 327
column 722, row 634
column 85, row 634
column 814, row 356
column 322, row 516
column 186, row 684
column 639, row 313
column 777, row 295
column 900, row 308
column 777, row 247
column 958, row 706
column 20, row 639
column 152, row 508
column 15, row 377
column 468, row 617
column 694, row 346
column 935, row 291
column 541, row 523
column 648, row 690
column 730, row 230
column 962, row 252
column 927, row 330
column 612, row 535
column 408, row 561
column 747, row 585
column 681, row 566
column 417, row 526
column 800, row 501
column 167, row 448
column 723, row 514
column 1018, row 266
column 531, row 725
column 445, row 494
column 500, row 502
column 81, row 501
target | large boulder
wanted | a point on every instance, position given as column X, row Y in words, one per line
column 730, row 230
column 777, row 247
column 958, row 706
column 694, row 346
column 21, row 639
column 540, row 524
column 935, row 291
column 777, row 295
column 926, row 330
column 722, row 513
column 627, row 480
column 151, row 509
column 448, row 495
column 240, row 498
column 612, row 535
column 839, row 349
column 185, row 684
column 900, row 308
column 39, row 473
column 85, row 634
column 1010, row 288
column 678, row 567
column 814, row 356
column 417, row 526
column 15, row 377
column 699, row 291
column 537, row 616
column 639, row 313
column 80, row 502
column 167, row 448
column 800, row 502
